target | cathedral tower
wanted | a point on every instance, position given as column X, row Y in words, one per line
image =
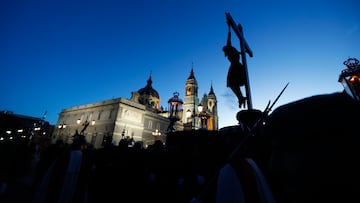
column 191, row 100
column 213, row 121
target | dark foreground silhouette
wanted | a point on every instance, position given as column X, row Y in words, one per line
column 307, row 150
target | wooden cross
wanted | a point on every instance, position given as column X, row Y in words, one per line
column 244, row 48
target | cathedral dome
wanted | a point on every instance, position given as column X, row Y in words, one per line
column 148, row 90
column 149, row 96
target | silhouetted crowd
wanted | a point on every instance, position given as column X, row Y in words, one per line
column 304, row 151
column 128, row 172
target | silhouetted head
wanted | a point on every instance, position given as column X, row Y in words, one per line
column 350, row 78
column 230, row 50
column 249, row 117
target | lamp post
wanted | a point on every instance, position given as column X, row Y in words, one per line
column 85, row 124
column 156, row 134
column 175, row 104
column 61, row 127
column 201, row 114
column 36, row 131
column 82, row 132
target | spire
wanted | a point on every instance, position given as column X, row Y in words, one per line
column 148, row 89
column 192, row 76
column 211, row 89
column 149, row 81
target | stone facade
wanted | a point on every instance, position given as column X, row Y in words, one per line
column 139, row 118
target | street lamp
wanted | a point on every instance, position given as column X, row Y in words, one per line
column 156, row 134
column 200, row 108
column 85, row 124
column 61, row 127
column 82, row 132
column 175, row 104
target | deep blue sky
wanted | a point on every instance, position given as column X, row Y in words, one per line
column 60, row 54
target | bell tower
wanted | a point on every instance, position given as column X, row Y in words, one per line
column 191, row 100
column 213, row 121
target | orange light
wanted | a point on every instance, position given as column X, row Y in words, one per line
column 354, row 79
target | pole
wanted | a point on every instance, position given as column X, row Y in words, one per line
column 244, row 62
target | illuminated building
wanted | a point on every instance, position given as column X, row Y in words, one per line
column 138, row 118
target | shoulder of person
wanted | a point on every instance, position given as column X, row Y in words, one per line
column 320, row 101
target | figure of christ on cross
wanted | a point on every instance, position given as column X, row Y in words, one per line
column 237, row 74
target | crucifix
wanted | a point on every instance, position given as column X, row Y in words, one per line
column 238, row 74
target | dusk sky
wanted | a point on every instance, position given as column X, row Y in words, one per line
column 59, row 54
